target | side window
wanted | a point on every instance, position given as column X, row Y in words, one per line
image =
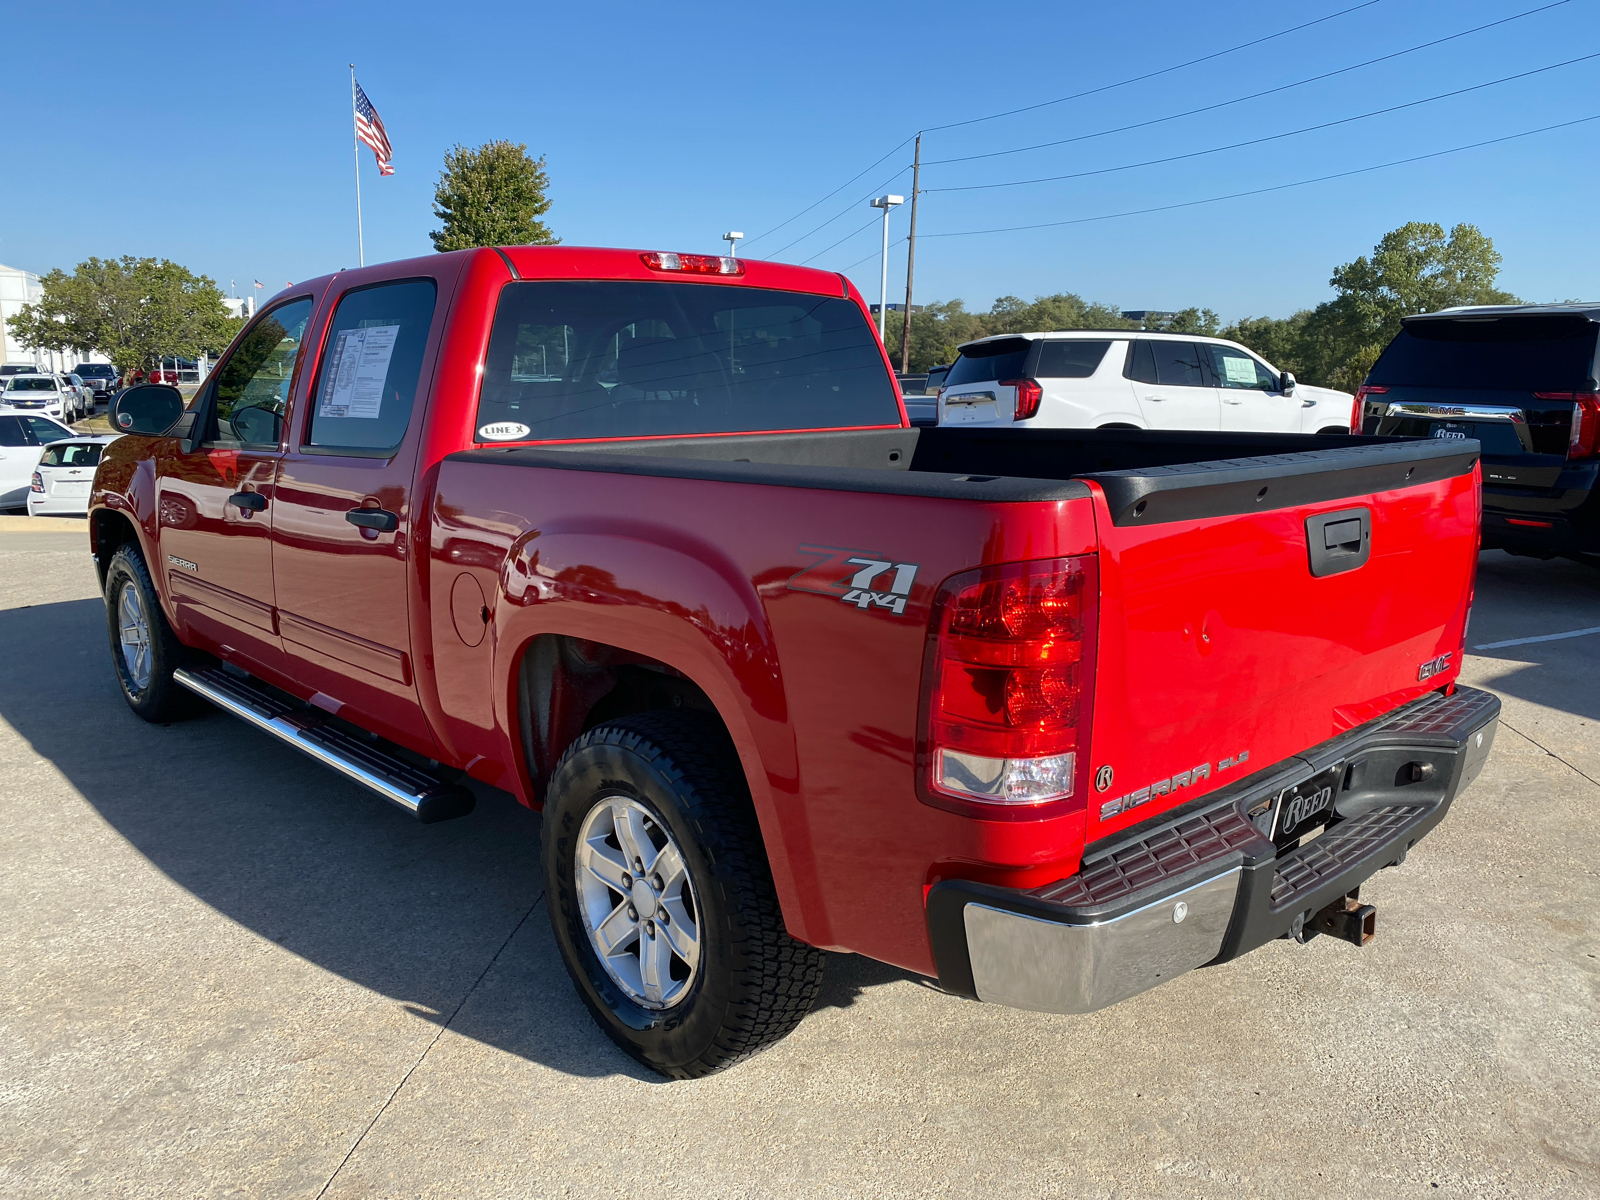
column 1179, row 363
column 1236, row 369
column 11, row 432
column 372, row 362
column 1141, row 364
column 1070, row 358
column 252, row 386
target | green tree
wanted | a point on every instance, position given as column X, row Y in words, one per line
column 1193, row 320
column 1415, row 268
column 132, row 310
column 939, row 329
column 491, row 195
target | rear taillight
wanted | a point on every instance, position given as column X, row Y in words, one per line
column 1358, row 408
column 693, row 264
column 1008, row 689
column 1585, row 439
column 38, row 483
column 1029, row 393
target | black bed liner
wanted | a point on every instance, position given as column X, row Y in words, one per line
column 1148, row 477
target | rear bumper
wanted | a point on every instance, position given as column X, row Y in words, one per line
column 1201, row 885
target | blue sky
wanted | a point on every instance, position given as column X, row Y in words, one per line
column 228, row 128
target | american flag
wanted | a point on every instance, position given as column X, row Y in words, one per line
column 369, row 128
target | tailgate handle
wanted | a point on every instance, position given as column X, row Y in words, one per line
column 1338, row 541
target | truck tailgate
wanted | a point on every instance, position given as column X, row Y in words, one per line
column 1253, row 608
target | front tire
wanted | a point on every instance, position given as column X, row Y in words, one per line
column 144, row 649
column 661, row 899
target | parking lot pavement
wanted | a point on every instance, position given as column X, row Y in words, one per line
column 225, row 971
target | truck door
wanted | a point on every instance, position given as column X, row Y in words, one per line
column 215, row 506
column 1249, row 393
column 342, row 529
column 1172, row 384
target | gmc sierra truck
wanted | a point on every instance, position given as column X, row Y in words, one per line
column 645, row 539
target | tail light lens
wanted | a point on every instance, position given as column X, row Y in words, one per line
column 1029, row 393
column 1585, row 439
column 1359, row 408
column 38, row 483
column 1008, row 690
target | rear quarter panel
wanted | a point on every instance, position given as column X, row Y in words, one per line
column 821, row 697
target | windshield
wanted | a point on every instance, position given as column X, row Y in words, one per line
column 988, row 362
column 1535, row 354
column 30, row 383
column 96, row 370
column 574, row 360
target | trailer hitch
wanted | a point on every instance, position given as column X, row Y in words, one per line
column 1346, row 919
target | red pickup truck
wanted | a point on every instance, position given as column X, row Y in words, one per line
column 646, row 540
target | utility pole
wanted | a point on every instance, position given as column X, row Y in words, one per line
column 911, row 260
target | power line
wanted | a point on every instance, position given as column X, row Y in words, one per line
column 1377, row 112
column 828, row 197
column 1137, row 212
column 1253, row 95
column 853, row 233
column 842, row 212
column 1153, row 74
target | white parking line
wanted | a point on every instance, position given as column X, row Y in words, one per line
column 1549, row 637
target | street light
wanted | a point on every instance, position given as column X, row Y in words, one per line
column 732, row 238
column 885, row 203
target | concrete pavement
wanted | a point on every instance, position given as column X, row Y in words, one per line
column 225, row 971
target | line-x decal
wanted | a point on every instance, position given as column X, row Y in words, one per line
column 860, row 577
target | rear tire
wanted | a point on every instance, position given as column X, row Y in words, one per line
column 144, row 649
column 671, row 784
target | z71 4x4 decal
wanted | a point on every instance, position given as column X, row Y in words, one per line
column 858, row 577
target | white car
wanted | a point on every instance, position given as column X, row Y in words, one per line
column 83, row 396
column 64, row 476
column 23, row 437
column 1086, row 379
column 41, row 393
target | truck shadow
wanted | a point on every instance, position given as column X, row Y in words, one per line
column 1525, row 597
column 305, row 859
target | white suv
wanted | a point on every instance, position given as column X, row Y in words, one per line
column 1122, row 379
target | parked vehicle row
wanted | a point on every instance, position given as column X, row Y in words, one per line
column 1052, row 715
column 60, row 396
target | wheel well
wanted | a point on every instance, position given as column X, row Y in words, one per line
column 566, row 686
column 1332, row 429
column 108, row 532
column 1117, row 425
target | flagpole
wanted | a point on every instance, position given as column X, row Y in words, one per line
column 355, row 145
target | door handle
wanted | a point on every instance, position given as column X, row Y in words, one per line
column 1226, row 401
column 380, row 519
column 1156, row 399
column 248, row 501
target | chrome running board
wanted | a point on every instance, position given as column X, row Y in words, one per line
column 424, row 796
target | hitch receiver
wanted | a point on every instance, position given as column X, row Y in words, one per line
column 1348, row 919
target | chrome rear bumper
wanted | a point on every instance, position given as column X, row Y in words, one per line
column 1201, row 884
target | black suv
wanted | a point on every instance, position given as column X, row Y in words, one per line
column 1523, row 381
column 100, row 377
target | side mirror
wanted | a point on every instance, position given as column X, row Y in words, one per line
column 147, row 408
column 1286, row 382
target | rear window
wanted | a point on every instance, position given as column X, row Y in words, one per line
column 1070, row 359
column 26, row 383
column 612, row 358
column 985, row 362
column 1534, row 354
column 74, row 455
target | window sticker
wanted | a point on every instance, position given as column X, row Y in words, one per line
column 503, row 431
column 1238, row 370
column 355, row 377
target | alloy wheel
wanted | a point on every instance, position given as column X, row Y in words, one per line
column 637, row 902
column 133, row 628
